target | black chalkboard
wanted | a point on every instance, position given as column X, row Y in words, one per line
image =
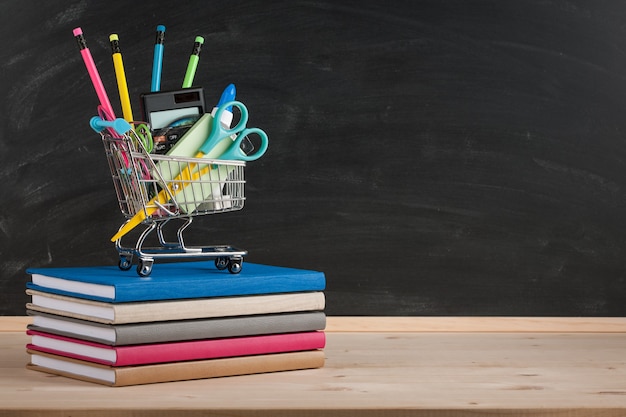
column 431, row 157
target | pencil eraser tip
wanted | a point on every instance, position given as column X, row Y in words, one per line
column 114, row 37
column 77, row 31
column 199, row 39
column 160, row 28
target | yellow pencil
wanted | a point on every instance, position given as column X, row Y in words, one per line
column 121, row 78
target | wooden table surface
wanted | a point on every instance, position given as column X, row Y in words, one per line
column 375, row 367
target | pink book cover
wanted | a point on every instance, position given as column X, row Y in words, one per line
column 177, row 351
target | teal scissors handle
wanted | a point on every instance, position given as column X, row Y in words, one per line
column 219, row 131
column 234, row 151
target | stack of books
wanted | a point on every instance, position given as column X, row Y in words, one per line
column 187, row 320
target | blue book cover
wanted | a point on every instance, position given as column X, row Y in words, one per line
column 172, row 281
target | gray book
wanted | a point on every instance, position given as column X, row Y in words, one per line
column 177, row 330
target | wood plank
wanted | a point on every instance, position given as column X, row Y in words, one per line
column 14, row 323
column 367, row 374
column 478, row 324
column 438, row 324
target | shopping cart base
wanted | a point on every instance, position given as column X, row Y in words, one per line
column 225, row 257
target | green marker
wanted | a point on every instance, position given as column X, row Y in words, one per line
column 193, row 62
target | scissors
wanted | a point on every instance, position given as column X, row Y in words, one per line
column 239, row 132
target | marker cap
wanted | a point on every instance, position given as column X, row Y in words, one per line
column 226, row 119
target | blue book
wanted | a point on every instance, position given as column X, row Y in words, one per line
column 172, row 281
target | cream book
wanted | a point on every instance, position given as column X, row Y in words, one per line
column 152, row 311
column 174, row 371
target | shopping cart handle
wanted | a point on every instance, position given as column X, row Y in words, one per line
column 121, row 126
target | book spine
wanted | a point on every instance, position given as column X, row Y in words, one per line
column 247, row 283
column 177, row 351
column 176, row 309
column 179, row 371
column 176, row 281
column 159, row 332
column 218, row 307
column 245, row 365
column 218, row 348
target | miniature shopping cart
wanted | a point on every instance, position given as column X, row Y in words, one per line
column 155, row 189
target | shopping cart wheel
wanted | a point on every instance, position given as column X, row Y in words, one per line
column 221, row 263
column 144, row 267
column 234, row 265
column 125, row 263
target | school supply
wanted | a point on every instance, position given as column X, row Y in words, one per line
column 227, row 116
column 93, row 73
column 177, row 351
column 167, row 137
column 184, row 321
column 109, row 312
column 174, row 371
column 173, row 280
column 193, row 170
column 182, row 336
column 169, row 330
column 121, row 126
column 189, row 144
column 219, row 132
column 142, row 132
column 170, row 114
column 233, row 151
column 144, row 197
column 227, row 95
column 120, row 75
column 164, row 108
column 157, row 63
column 153, row 188
column 193, row 62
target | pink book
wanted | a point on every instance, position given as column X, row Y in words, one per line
column 177, row 351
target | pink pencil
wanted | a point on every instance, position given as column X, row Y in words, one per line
column 93, row 73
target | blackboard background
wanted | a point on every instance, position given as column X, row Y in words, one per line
column 431, row 157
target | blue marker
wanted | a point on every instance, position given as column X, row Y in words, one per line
column 227, row 117
column 228, row 95
column 227, row 114
column 157, row 64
